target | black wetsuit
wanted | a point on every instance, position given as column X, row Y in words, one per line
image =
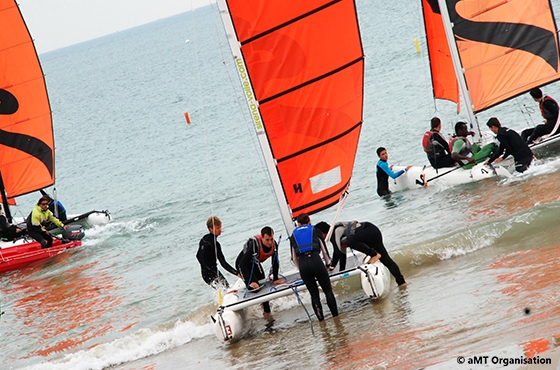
column 7, row 231
column 312, row 267
column 512, row 143
column 250, row 268
column 209, row 249
column 367, row 238
column 438, row 152
column 549, row 110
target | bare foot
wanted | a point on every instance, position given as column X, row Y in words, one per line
column 403, row 285
column 374, row 259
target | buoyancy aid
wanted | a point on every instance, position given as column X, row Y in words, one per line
column 545, row 98
column 432, row 147
column 467, row 147
column 303, row 236
column 261, row 254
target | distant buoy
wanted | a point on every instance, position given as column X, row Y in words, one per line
column 187, row 118
column 417, row 46
column 187, row 41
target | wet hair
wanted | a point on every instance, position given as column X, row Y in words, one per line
column 323, row 226
column 435, row 122
column 379, row 150
column 213, row 221
column 493, row 122
column 459, row 125
column 303, row 219
column 267, row 230
column 536, row 93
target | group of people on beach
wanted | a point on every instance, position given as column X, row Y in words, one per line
column 460, row 152
column 307, row 244
column 36, row 223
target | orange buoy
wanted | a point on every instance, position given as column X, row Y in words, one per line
column 187, row 118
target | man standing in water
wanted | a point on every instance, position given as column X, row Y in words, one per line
column 307, row 243
column 384, row 171
column 210, row 250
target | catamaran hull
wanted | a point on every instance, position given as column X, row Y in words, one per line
column 86, row 220
column 417, row 176
column 230, row 320
column 547, row 147
column 375, row 280
column 22, row 253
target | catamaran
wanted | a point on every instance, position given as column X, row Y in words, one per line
column 301, row 66
column 486, row 52
column 26, row 136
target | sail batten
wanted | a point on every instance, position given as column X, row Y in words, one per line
column 303, row 63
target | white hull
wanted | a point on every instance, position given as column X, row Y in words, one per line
column 418, row 177
column 230, row 320
column 86, row 220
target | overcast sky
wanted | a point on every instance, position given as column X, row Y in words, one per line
column 54, row 24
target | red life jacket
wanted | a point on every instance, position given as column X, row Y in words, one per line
column 262, row 254
column 426, row 140
column 546, row 97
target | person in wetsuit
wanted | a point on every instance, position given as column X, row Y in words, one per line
column 7, row 231
column 307, row 243
column 362, row 236
column 510, row 143
column 210, row 250
column 256, row 250
column 549, row 112
column 436, row 146
column 384, row 171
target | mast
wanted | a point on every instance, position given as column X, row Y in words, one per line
column 5, row 204
column 253, row 105
column 459, row 71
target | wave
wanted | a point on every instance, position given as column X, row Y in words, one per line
column 144, row 343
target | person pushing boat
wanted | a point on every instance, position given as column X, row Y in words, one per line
column 307, row 243
column 362, row 236
column 510, row 143
column 210, row 250
column 256, row 250
column 384, row 171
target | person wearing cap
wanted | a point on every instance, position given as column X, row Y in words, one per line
column 256, row 250
column 307, row 244
column 549, row 112
column 210, row 250
column 37, row 218
column 362, row 236
column 8, row 231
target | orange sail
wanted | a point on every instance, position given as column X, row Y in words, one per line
column 302, row 62
column 444, row 80
column 26, row 135
column 505, row 47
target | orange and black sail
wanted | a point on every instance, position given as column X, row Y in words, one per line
column 302, row 62
column 505, row 47
column 26, row 135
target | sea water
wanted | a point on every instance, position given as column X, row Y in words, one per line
column 475, row 256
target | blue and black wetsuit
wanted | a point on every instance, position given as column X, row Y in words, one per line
column 383, row 174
